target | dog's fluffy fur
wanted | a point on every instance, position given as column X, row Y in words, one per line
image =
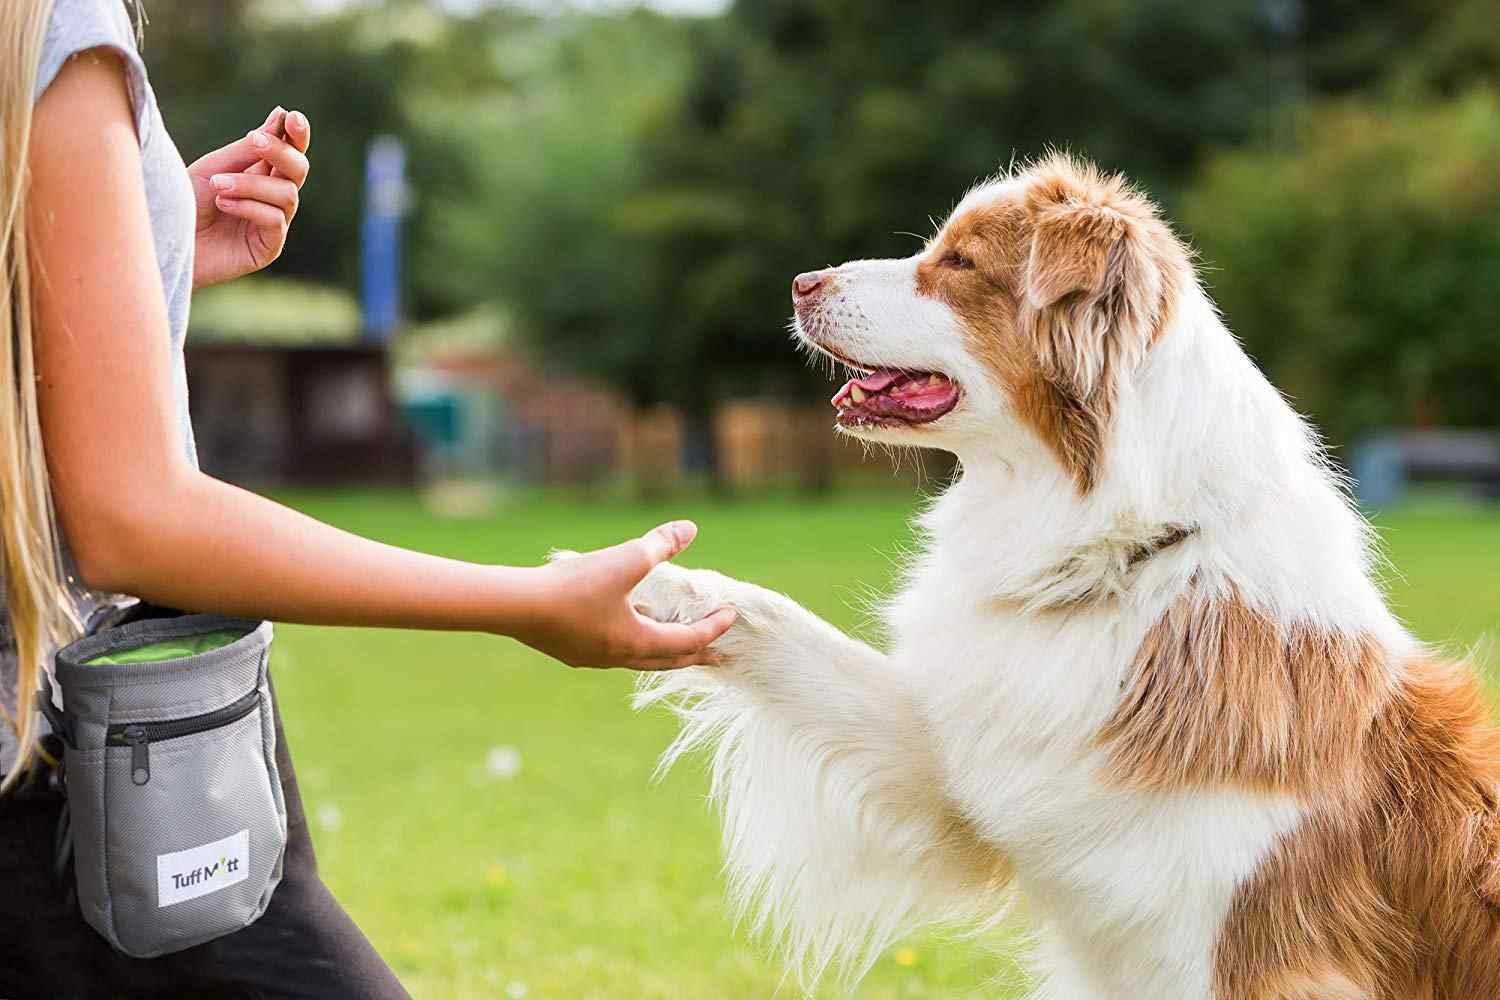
column 1140, row 671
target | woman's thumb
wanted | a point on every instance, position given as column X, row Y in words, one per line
column 666, row 540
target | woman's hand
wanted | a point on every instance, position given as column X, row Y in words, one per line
column 581, row 612
column 247, row 195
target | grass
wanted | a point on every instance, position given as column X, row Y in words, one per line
column 576, row 877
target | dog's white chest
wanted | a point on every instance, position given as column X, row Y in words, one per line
column 1135, row 883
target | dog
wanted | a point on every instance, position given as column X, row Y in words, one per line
column 1140, row 676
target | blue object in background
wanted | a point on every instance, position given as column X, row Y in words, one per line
column 1378, row 465
column 380, row 252
column 1385, row 465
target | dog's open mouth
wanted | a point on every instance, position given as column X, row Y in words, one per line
column 891, row 398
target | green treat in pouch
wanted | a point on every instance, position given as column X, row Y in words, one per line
column 169, row 649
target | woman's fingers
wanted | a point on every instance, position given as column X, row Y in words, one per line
column 274, row 124
column 667, row 646
column 257, row 213
column 672, row 640
column 284, row 158
column 707, row 658
column 298, row 130
column 277, row 191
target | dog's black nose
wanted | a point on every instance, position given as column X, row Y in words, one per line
column 808, row 284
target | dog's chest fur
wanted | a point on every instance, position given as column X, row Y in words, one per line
column 1140, row 881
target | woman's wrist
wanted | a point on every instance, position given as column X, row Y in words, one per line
column 520, row 599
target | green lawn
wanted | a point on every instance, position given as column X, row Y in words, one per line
column 576, row 878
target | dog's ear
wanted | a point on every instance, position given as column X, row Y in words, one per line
column 1093, row 286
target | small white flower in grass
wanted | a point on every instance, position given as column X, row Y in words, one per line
column 516, row 990
column 329, row 817
column 503, row 762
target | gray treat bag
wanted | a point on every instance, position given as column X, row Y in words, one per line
column 179, row 824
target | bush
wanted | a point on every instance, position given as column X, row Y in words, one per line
column 1362, row 268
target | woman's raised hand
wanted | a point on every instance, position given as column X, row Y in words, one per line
column 247, row 194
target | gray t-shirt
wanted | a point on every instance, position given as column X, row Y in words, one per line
column 76, row 26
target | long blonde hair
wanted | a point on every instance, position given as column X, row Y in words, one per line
column 31, row 571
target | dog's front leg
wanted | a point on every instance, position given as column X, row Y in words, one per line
column 838, row 833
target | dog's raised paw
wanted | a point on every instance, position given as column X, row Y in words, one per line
column 672, row 594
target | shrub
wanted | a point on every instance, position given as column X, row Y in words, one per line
column 1362, row 267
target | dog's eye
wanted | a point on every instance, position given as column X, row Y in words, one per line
column 955, row 260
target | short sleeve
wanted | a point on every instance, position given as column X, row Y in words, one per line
column 79, row 25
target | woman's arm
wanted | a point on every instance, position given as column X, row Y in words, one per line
column 142, row 520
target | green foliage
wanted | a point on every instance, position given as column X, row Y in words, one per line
column 268, row 308
column 1362, row 268
column 218, row 75
column 636, row 191
column 813, row 131
column 816, row 132
column 541, row 222
column 1408, row 47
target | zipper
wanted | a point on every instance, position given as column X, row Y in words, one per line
column 139, row 736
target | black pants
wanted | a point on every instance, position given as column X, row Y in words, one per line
column 303, row 946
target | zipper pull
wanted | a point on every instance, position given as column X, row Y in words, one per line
column 140, row 753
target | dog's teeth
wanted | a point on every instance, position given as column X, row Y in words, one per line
column 934, row 380
column 857, row 393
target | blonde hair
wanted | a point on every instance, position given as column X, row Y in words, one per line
column 31, row 571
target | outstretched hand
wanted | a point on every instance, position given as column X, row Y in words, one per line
column 583, row 616
column 247, row 194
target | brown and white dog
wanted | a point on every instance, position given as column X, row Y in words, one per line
column 1140, row 671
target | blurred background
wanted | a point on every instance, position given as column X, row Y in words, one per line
column 537, row 295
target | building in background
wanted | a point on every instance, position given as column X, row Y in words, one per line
column 269, row 414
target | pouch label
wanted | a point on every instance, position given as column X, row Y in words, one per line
column 198, row 871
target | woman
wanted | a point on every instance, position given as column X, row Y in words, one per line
column 104, row 233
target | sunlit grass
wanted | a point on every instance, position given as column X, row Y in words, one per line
column 576, row 878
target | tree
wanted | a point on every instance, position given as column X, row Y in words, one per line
column 815, row 131
column 544, row 222
column 1362, row 269
column 356, row 75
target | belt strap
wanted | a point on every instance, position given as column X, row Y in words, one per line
column 56, row 718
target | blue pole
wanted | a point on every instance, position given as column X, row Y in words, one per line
column 380, row 258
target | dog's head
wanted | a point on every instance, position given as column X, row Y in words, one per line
column 1040, row 293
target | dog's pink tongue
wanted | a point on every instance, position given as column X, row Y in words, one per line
column 876, row 381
